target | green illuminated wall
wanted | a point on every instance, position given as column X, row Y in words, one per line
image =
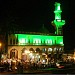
column 30, row 39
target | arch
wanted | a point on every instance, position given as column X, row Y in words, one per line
column 14, row 54
column 38, row 50
column 31, row 49
column 44, row 50
column 50, row 50
column 23, row 50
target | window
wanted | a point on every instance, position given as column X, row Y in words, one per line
column 49, row 42
column 37, row 41
column 44, row 50
column 55, row 49
column 10, row 41
column 26, row 41
column 16, row 41
column 13, row 41
column 22, row 41
column 60, row 49
column 49, row 49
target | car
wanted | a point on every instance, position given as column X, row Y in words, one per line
column 62, row 64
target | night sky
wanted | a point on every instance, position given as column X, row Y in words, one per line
column 30, row 15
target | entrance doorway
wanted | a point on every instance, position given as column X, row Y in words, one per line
column 14, row 54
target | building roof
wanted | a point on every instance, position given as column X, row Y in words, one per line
column 43, row 29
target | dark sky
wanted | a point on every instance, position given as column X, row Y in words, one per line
column 32, row 14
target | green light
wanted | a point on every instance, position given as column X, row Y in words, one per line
column 36, row 41
column 58, row 22
column 57, row 11
column 22, row 40
column 49, row 41
column 30, row 39
column 58, row 8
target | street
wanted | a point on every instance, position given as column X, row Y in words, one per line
column 45, row 71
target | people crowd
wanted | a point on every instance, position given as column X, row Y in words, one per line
column 21, row 65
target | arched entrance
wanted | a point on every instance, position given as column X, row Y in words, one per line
column 24, row 56
column 14, row 54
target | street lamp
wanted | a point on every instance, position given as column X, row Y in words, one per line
column 0, row 51
column 0, row 44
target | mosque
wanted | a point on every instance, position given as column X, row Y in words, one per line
column 35, row 47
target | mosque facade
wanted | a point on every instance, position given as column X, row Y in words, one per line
column 35, row 47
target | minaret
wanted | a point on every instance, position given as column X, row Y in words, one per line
column 58, row 22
